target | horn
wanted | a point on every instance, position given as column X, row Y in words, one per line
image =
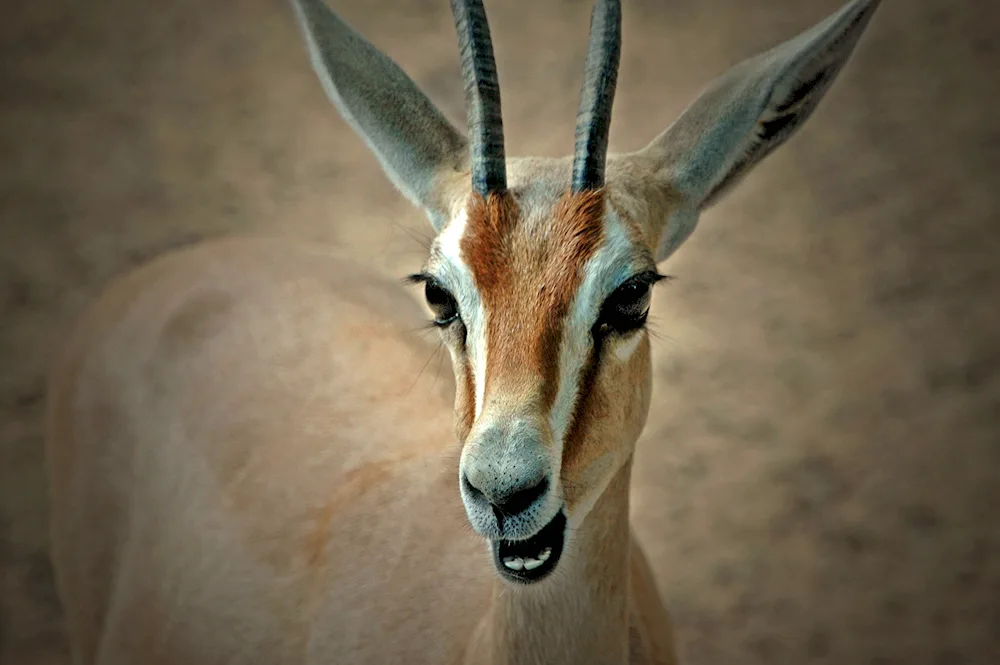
column 593, row 119
column 482, row 97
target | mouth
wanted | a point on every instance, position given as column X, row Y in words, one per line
column 529, row 561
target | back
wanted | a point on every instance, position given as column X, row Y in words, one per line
column 233, row 431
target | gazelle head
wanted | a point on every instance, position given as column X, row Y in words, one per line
column 540, row 274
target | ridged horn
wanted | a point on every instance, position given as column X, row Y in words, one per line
column 593, row 119
column 482, row 97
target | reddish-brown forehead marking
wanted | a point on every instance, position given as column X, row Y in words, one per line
column 527, row 279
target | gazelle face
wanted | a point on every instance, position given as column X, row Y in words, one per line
column 539, row 278
column 541, row 297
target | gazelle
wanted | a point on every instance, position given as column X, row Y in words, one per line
column 243, row 470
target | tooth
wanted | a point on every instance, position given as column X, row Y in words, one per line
column 531, row 564
column 545, row 554
column 514, row 562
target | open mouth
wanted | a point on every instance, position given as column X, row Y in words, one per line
column 528, row 561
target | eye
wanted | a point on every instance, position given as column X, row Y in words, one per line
column 627, row 307
column 441, row 303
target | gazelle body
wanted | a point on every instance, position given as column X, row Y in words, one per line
column 248, row 465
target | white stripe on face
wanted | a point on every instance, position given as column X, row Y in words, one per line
column 470, row 305
column 609, row 266
column 627, row 347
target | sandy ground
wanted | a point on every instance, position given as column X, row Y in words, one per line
column 818, row 482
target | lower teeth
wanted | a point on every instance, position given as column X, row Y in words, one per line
column 527, row 563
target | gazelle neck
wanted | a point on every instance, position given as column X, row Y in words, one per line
column 581, row 614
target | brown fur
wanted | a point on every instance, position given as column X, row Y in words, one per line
column 591, row 403
column 513, row 264
column 355, row 483
column 465, row 398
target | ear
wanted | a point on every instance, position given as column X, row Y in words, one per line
column 745, row 114
column 415, row 144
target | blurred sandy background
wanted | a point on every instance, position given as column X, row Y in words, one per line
column 820, row 478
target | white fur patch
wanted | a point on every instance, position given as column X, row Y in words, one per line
column 627, row 347
column 610, row 265
column 470, row 305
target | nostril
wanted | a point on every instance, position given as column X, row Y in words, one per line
column 473, row 491
column 522, row 499
column 506, row 503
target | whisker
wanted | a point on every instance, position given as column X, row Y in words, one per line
column 654, row 332
column 420, row 373
column 437, row 373
column 422, row 238
column 427, row 326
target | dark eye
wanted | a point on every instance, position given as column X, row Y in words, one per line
column 441, row 303
column 626, row 308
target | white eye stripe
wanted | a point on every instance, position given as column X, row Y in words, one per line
column 470, row 305
column 600, row 272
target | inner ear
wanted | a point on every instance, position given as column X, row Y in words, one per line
column 419, row 149
column 744, row 115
